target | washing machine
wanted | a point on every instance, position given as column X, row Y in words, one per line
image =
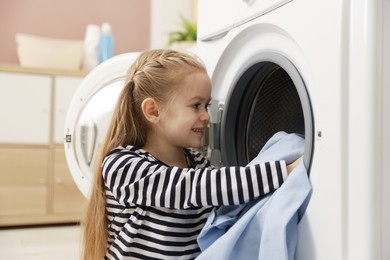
column 89, row 115
column 317, row 68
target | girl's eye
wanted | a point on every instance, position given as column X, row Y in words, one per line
column 196, row 106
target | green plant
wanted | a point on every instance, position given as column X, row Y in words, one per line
column 188, row 32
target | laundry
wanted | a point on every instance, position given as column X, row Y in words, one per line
column 266, row 228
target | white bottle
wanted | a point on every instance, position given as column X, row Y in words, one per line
column 90, row 47
column 106, row 43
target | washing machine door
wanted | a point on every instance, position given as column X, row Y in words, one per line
column 89, row 115
column 267, row 96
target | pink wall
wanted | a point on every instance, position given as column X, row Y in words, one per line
column 67, row 19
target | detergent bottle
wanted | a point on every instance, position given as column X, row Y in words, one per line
column 106, row 43
column 90, row 47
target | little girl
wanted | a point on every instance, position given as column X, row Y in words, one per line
column 152, row 194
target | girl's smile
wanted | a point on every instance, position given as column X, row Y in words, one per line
column 198, row 130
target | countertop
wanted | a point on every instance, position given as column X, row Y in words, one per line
column 45, row 71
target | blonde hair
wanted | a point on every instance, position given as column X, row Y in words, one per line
column 155, row 74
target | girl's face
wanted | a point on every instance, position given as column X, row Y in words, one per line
column 185, row 118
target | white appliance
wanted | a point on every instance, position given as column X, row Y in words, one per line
column 317, row 68
column 89, row 115
column 313, row 67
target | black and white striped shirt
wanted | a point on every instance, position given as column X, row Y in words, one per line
column 156, row 211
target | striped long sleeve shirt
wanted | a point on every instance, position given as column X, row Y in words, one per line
column 156, row 211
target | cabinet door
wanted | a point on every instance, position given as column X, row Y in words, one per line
column 67, row 198
column 65, row 87
column 25, row 102
column 23, row 187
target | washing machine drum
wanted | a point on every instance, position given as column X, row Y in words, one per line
column 266, row 99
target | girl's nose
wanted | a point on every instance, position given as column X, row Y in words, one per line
column 205, row 116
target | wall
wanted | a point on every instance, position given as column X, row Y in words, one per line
column 165, row 17
column 130, row 21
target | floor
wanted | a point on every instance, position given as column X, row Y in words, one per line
column 41, row 243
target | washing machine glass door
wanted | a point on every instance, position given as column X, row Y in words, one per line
column 89, row 116
column 269, row 96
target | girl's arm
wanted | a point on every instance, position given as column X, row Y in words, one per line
column 134, row 180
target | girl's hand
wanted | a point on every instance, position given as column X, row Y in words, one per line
column 291, row 166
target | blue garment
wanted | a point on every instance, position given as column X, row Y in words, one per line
column 267, row 227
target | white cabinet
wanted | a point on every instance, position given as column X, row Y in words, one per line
column 25, row 108
column 36, row 186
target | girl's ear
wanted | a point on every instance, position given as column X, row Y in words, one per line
column 150, row 110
